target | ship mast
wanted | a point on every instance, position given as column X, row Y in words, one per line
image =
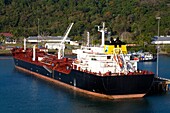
column 102, row 30
column 62, row 45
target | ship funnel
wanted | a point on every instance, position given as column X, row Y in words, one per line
column 33, row 59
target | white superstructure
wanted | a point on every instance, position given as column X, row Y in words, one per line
column 97, row 60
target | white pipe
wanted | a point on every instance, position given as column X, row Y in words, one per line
column 24, row 44
column 33, row 59
column 59, row 53
column 88, row 37
column 63, row 48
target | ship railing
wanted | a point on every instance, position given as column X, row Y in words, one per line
column 140, row 72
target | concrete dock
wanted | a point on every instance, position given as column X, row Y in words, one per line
column 160, row 85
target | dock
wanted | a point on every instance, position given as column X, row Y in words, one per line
column 160, row 85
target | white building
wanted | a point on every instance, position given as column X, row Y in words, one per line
column 161, row 40
column 52, row 39
column 75, row 43
column 10, row 41
column 52, row 45
column 8, row 38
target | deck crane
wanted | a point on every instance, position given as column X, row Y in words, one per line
column 62, row 45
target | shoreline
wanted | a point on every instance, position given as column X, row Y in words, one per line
column 5, row 54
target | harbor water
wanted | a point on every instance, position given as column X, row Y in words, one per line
column 23, row 93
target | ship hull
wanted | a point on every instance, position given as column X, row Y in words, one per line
column 112, row 87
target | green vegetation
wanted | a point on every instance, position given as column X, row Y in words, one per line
column 132, row 20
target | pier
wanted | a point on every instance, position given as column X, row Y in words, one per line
column 160, row 85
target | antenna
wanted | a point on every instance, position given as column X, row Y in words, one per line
column 88, row 37
column 109, row 33
column 38, row 32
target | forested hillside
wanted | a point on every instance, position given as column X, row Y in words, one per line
column 133, row 20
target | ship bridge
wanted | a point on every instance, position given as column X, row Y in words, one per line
column 115, row 47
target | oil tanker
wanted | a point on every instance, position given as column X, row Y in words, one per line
column 104, row 71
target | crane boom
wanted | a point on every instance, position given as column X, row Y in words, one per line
column 62, row 45
column 66, row 33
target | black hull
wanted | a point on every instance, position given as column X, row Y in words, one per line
column 107, row 85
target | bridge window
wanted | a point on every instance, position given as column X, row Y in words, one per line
column 108, row 57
